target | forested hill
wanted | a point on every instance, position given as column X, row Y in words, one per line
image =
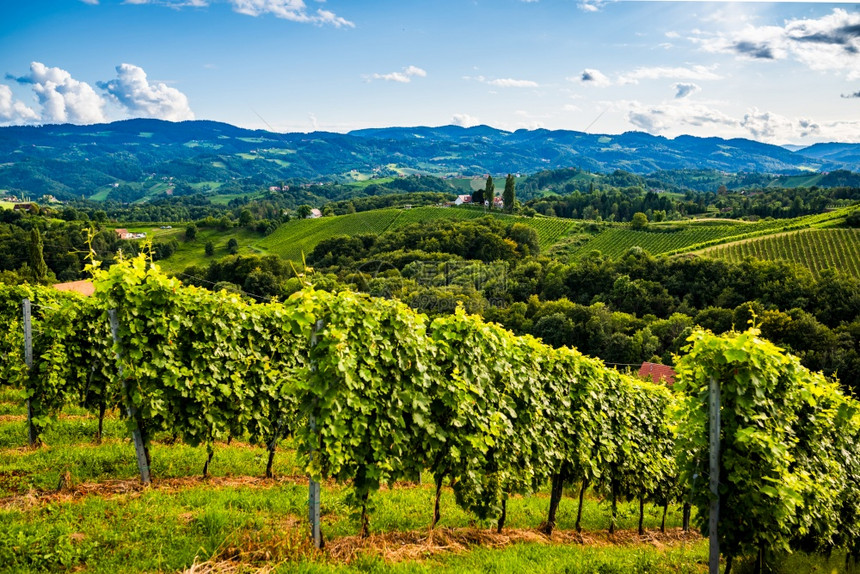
column 70, row 161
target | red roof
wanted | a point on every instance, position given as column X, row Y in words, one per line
column 85, row 288
column 657, row 373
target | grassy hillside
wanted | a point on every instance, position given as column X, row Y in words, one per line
column 297, row 237
column 697, row 235
column 816, row 249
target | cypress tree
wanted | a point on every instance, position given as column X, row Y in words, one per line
column 510, row 194
column 37, row 257
column 490, row 191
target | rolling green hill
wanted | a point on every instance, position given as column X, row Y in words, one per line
column 297, row 237
column 697, row 235
column 815, row 249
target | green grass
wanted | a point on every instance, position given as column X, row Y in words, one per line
column 105, row 525
column 193, row 252
column 6, row 205
column 299, row 236
column 815, row 249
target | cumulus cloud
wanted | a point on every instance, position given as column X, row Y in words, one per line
column 63, row 99
column 676, row 73
column 686, row 116
column 683, row 90
column 403, row 77
column 93, row 2
column 293, row 10
column 14, row 111
column 591, row 77
column 829, row 43
column 591, row 5
column 464, row 120
column 132, row 90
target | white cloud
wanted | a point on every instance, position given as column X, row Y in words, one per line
column 14, row 111
column 684, row 116
column 677, row 73
column 829, row 43
column 769, row 126
column 293, row 10
column 464, row 120
column 591, row 77
column 591, row 5
column 403, row 77
column 503, row 82
column 176, row 4
column 63, row 99
column 512, row 83
column 140, row 98
column 682, row 90
column 92, row 2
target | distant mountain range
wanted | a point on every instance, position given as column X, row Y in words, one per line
column 73, row 161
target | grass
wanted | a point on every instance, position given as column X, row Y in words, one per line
column 301, row 236
column 6, row 205
column 104, row 522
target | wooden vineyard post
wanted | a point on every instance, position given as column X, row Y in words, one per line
column 714, row 516
column 136, row 435
column 313, row 485
column 28, row 360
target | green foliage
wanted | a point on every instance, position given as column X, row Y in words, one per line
column 787, row 446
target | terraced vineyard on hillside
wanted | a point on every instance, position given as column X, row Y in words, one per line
column 816, row 249
column 301, row 236
column 694, row 236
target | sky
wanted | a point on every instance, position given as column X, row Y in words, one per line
column 783, row 73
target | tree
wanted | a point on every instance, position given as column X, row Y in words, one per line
column 490, row 191
column 510, row 194
column 640, row 220
column 478, row 197
column 190, row 232
column 245, row 218
column 233, row 246
column 210, row 249
column 37, row 258
column 304, row 210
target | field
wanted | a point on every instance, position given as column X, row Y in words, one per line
column 673, row 238
column 301, row 236
column 6, row 205
column 298, row 237
column 815, row 249
column 101, row 520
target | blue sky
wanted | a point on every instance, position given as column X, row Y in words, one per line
column 775, row 72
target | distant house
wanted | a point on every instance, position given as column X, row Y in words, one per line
column 461, row 199
column 657, row 373
column 315, row 213
column 31, row 207
column 498, row 202
column 126, row 234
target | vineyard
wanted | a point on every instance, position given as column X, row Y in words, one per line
column 301, row 236
column 367, row 394
column 293, row 239
column 815, row 249
column 693, row 236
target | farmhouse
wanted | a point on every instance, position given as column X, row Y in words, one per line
column 125, row 234
column 461, row 199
